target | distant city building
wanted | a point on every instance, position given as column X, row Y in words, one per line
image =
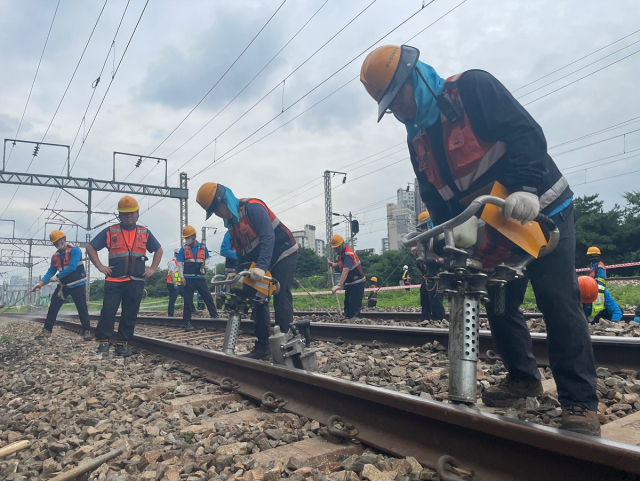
column 406, row 197
column 306, row 237
column 400, row 221
column 320, row 247
column 370, row 250
column 385, row 244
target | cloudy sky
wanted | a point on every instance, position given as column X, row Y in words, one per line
column 274, row 120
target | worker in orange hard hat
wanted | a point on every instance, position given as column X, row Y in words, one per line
column 352, row 278
column 258, row 237
column 431, row 301
column 372, row 299
column 68, row 270
column 605, row 306
column 128, row 244
column 464, row 133
column 192, row 260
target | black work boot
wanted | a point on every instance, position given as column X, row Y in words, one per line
column 123, row 349
column 44, row 334
column 509, row 392
column 580, row 420
column 103, row 348
column 260, row 351
column 86, row 335
column 188, row 326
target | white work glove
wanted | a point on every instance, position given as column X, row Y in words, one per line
column 54, row 279
column 522, row 206
column 256, row 274
column 335, row 289
column 238, row 285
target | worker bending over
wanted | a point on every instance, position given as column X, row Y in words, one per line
column 192, row 259
column 67, row 269
column 463, row 134
column 594, row 303
column 128, row 244
column 352, row 278
column 174, row 284
column 604, row 306
column 257, row 236
column 431, row 300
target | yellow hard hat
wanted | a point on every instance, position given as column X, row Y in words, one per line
column 593, row 251
column 336, row 241
column 128, row 204
column 385, row 70
column 374, row 279
column 188, row 231
column 209, row 196
column 56, row 235
column 423, row 216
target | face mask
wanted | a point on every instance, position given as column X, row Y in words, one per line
column 62, row 247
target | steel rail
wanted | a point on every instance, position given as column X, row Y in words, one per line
column 494, row 447
column 612, row 352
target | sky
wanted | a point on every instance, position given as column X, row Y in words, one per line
column 263, row 97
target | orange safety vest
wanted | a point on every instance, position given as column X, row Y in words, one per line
column 78, row 276
column 468, row 157
column 127, row 260
column 356, row 274
column 245, row 239
column 194, row 266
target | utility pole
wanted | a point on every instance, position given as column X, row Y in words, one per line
column 30, row 283
column 328, row 210
column 184, row 209
column 87, row 268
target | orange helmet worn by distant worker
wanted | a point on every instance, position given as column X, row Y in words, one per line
column 336, row 241
column 593, row 251
column 385, row 70
column 128, row 204
column 56, row 235
column 188, row 231
column 374, row 279
column 423, row 216
column 209, row 197
column 588, row 289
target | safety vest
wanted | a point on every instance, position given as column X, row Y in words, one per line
column 245, row 239
column 598, row 305
column 468, row 157
column 77, row 276
column 356, row 274
column 176, row 274
column 194, row 266
column 127, row 260
column 373, row 295
column 594, row 273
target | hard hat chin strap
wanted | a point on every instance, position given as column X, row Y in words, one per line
column 445, row 103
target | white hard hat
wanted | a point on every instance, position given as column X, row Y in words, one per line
column 405, row 267
column 176, row 250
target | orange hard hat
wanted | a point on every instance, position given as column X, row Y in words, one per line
column 209, row 196
column 336, row 241
column 385, row 70
column 188, row 231
column 128, row 204
column 588, row 289
column 423, row 216
column 593, row 251
column 56, row 235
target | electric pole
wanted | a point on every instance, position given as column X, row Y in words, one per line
column 184, row 209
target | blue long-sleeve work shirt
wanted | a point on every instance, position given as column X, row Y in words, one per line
column 225, row 248
column 75, row 256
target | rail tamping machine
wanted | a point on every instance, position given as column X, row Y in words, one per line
column 471, row 260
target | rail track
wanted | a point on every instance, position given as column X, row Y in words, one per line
column 493, row 447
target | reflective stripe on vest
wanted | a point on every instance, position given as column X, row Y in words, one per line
column 594, row 272
column 468, row 156
column 76, row 277
column 355, row 266
column 176, row 274
column 193, row 266
column 67, row 259
column 120, row 251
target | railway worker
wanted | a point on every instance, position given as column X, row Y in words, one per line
column 431, row 300
column 463, row 134
column 67, row 269
column 259, row 238
column 352, row 278
column 230, row 256
column 606, row 306
column 192, row 259
column 128, row 244
column 372, row 299
column 637, row 315
column 406, row 277
column 595, row 304
column 174, row 283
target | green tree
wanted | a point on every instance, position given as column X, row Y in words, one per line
column 310, row 264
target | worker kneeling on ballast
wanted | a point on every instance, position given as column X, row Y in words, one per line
column 603, row 306
column 192, row 259
column 67, row 269
column 463, row 134
column 352, row 278
column 258, row 237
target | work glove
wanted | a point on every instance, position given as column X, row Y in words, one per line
column 335, row 289
column 256, row 274
column 54, row 279
column 60, row 293
column 238, row 285
column 522, row 206
column 414, row 251
column 36, row 288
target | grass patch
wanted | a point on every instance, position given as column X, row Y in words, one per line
column 6, row 339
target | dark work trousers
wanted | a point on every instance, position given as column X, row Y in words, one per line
column 191, row 285
column 283, row 272
column 555, row 286
column 431, row 302
column 79, row 296
column 174, row 292
column 353, row 295
column 130, row 294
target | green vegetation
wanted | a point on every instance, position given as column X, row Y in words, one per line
column 6, row 339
